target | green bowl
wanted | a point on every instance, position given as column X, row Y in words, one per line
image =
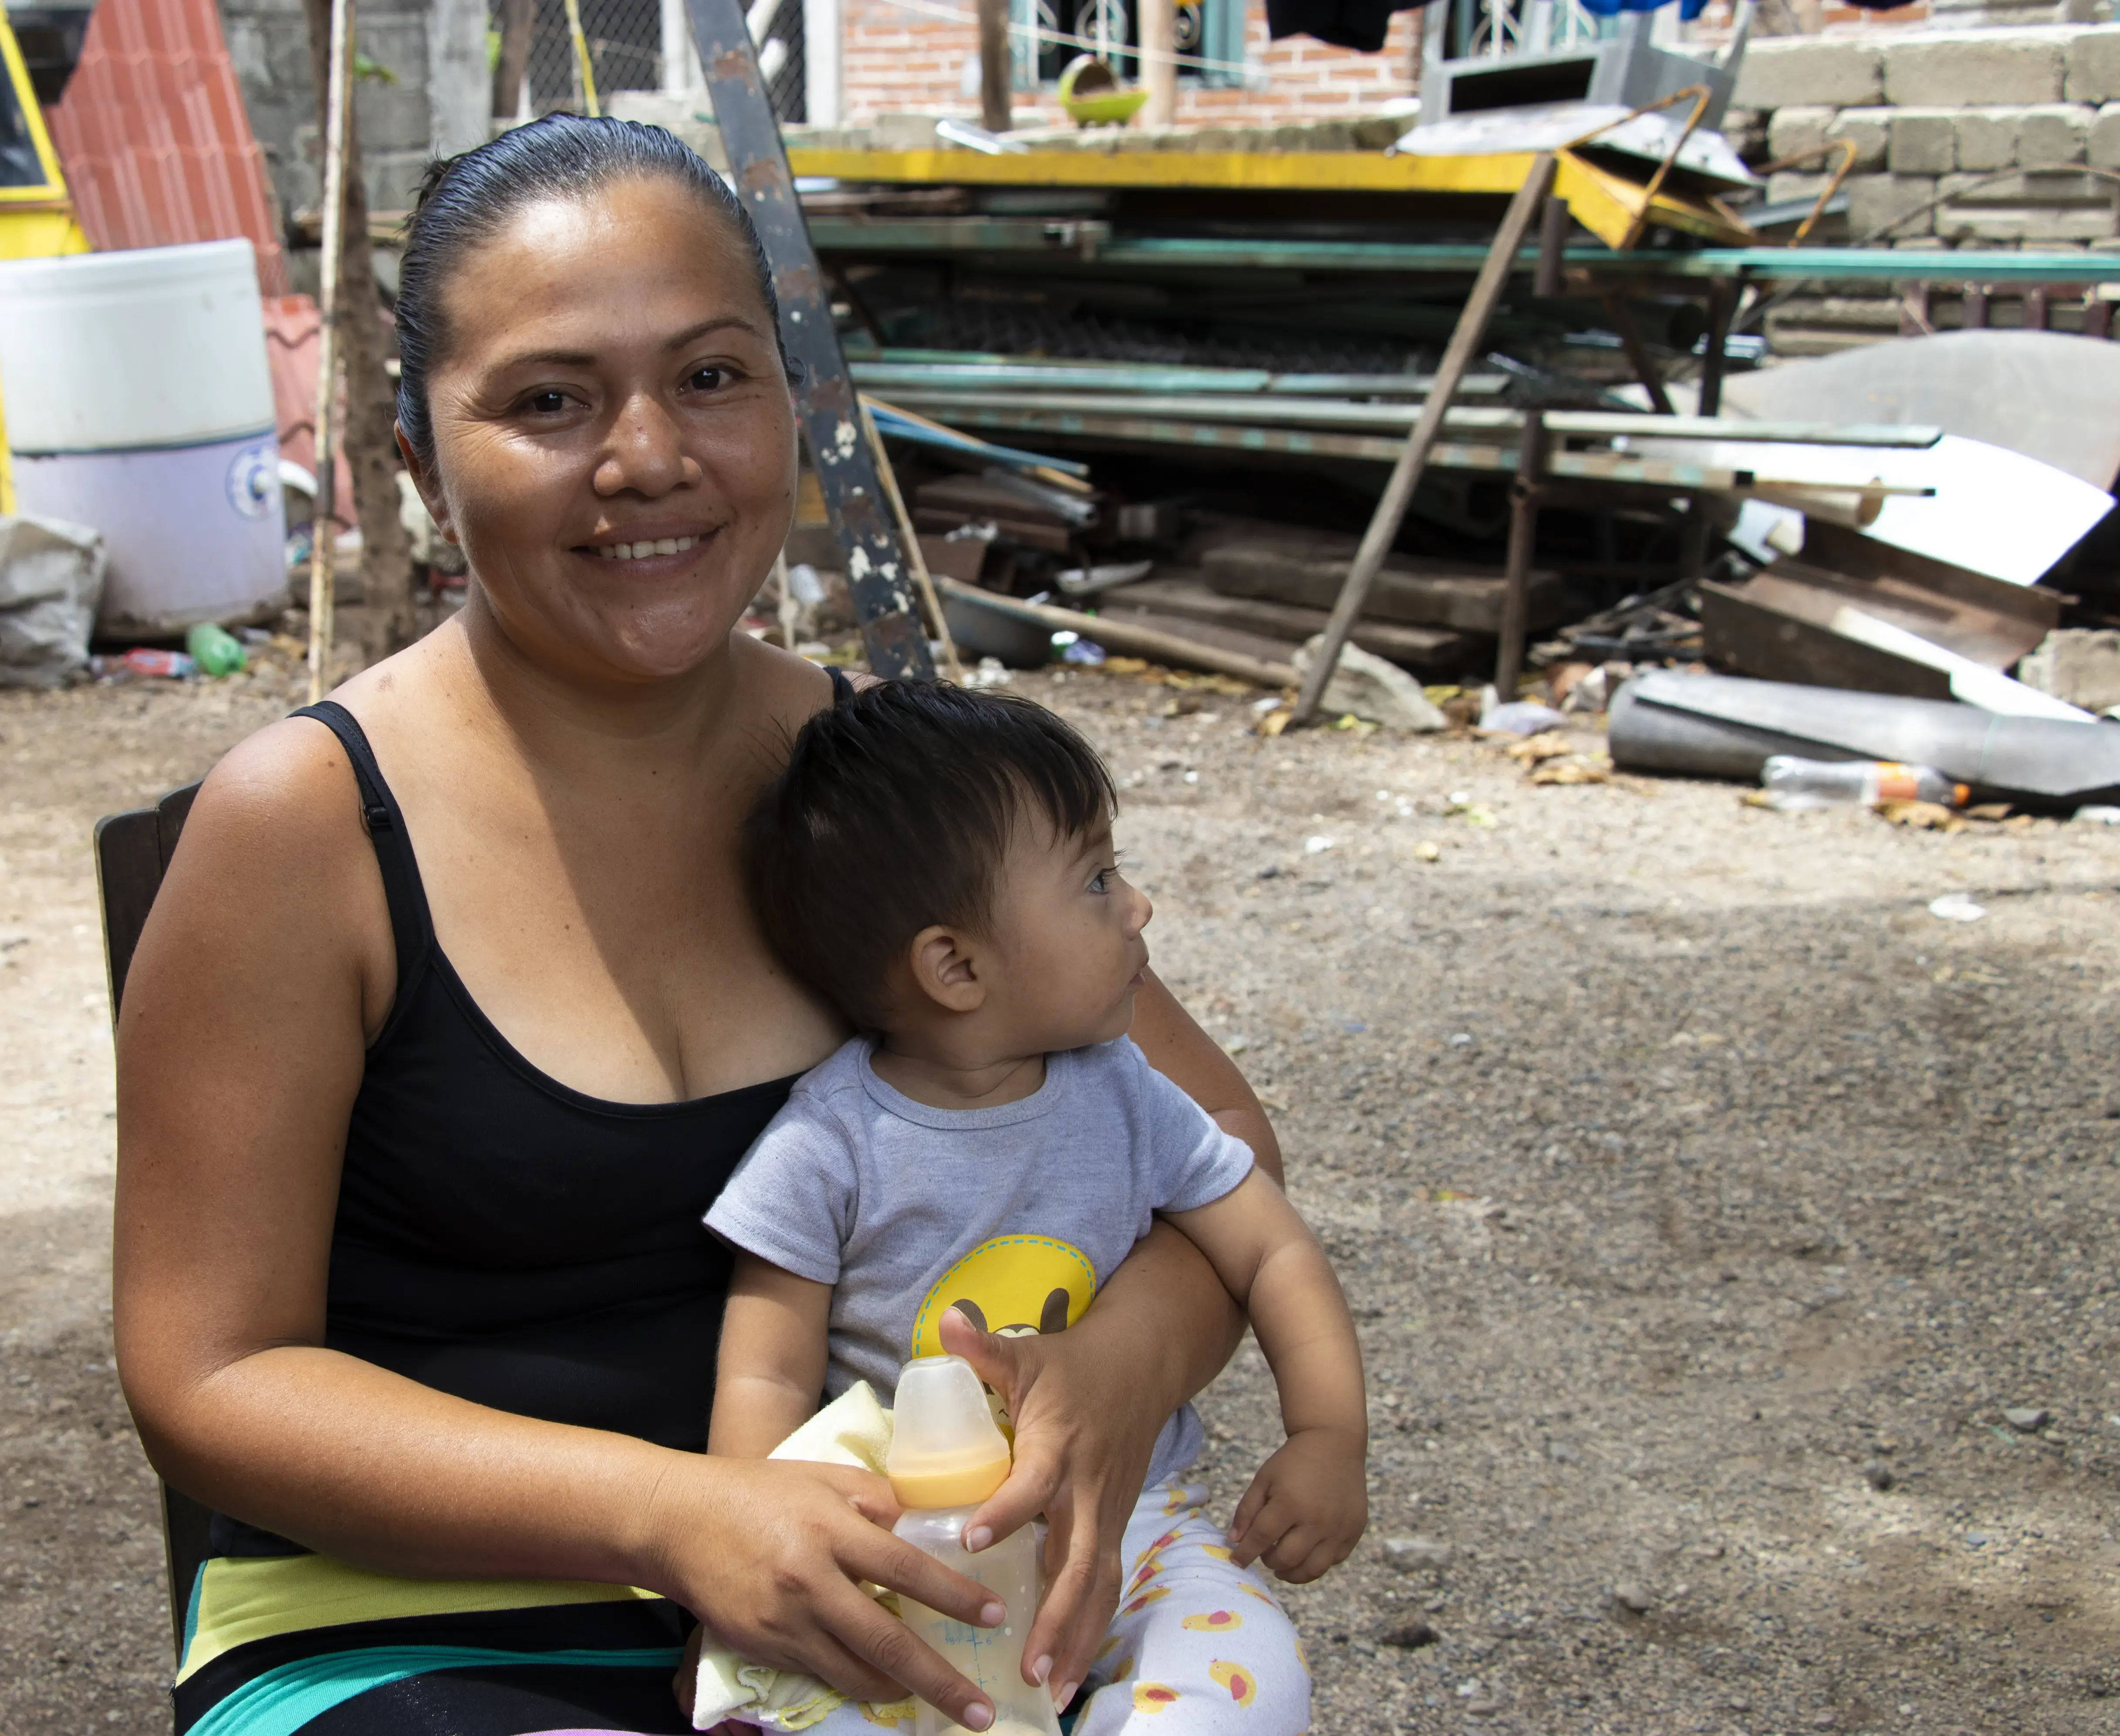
column 1092, row 96
column 1107, row 108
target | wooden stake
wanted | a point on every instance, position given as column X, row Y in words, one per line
column 914, row 557
column 1159, row 64
column 1524, row 492
column 1465, row 342
column 322, row 532
column 994, row 77
column 583, row 73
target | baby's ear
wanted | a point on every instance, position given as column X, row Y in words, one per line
column 942, row 970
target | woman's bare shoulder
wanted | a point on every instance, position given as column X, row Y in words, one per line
column 790, row 685
column 290, row 783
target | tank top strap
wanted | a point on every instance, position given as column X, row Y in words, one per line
column 843, row 689
column 411, row 927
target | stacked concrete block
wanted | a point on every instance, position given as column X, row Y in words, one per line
column 1963, row 138
column 2102, row 147
column 1798, row 130
column 1869, row 130
column 1884, row 207
column 1987, row 138
column 268, row 41
column 1780, row 71
column 2093, row 66
column 1922, row 142
column 2053, row 132
column 1956, row 70
column 2022, row 208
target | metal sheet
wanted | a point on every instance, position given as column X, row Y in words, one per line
column 1995, row 512
column 1554, row 126
column 2052, row 397
column 1724, row 726
column 878, row 574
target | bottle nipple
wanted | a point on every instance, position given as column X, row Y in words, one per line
column 946, row 1451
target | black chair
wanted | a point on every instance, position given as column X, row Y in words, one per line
column 132, row 852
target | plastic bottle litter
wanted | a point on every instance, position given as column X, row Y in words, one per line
column 947, row 1456
column 147, row 660
column 215, row 650
column 1793, row 784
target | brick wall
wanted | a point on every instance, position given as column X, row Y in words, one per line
column 897, row 61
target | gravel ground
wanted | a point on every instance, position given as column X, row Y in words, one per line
column 1704, row 1202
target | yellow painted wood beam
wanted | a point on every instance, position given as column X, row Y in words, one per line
column 1605, row 203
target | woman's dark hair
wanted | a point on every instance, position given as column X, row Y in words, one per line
column 895, row 812
column 465, row 200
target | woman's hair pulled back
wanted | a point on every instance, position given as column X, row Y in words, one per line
column 466, row 200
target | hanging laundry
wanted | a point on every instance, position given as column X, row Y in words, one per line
column 1360, row 24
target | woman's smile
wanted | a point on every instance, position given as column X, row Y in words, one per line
column 646, row 547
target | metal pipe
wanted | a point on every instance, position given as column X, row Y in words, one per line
column 1118, row 377
column 1054, row 409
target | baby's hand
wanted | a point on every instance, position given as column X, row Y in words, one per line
column 1306, row 1509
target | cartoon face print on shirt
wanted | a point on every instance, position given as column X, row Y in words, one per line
column 1017, row 1286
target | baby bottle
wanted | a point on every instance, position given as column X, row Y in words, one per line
column 947, row 1456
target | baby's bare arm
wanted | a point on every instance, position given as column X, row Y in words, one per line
column 771, row 1371
column 1307, row 1507
column 1273, row 1267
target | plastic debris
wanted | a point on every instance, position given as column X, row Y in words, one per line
column 1956, row 907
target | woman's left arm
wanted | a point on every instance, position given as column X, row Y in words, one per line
column 1083, row 1441
column 1185, row 1055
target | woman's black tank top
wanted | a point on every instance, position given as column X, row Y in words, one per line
column 508, row 1239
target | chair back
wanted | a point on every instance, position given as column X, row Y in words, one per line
column 132, row 853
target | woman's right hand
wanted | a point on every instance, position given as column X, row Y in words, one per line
column 770, row 1554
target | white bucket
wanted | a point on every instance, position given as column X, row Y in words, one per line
column 138, row 401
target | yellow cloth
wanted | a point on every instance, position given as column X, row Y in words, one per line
column 854, row 1429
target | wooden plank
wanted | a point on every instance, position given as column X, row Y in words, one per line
column 1416, row 593
column 1427, row 649
column 1134, row 639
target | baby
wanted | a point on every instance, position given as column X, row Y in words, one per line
column 939, row 864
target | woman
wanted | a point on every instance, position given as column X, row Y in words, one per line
column 451, row 1019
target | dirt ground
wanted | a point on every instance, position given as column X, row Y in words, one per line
column 1703, row 1199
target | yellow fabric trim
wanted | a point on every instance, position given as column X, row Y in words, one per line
column 256, row 1598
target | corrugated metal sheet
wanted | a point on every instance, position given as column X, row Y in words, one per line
column 152, row 133
column 291, row 325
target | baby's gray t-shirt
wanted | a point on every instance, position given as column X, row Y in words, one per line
column 1015, row 1215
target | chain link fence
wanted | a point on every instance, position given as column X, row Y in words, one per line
column 630, row 44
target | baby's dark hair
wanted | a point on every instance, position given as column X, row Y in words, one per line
column 894, row 813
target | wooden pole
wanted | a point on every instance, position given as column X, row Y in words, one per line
column 1639, row 358
column 1159, row 65
column 914, row 556
column 1465, row 343
column 517, row 18
column 994, row 79
column 1552, row 240
column 322, row 532
column 1524, row 494
column 584, row 75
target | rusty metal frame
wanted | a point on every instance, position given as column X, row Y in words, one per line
column 1848, row 152
column 878, row 572
column 1701, row 99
